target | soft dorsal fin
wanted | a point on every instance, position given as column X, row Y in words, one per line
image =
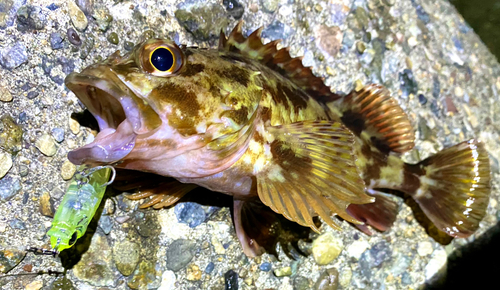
column 372, row 114
column 278, row 60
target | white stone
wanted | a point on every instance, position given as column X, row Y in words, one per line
column 167, row 281
column 437, row 263
column 357, row 248
column 424, row 248
column 5, row 163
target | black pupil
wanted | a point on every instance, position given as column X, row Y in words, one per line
column 162, row 59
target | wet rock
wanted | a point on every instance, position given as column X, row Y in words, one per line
column 167, row 281
column 9, row 187
column 35, row 285
column 106, row 224
column 210, row 267
column 77, row 16
column 96, row 265
column 103, row 19
column 436, row 266
column 46, row 205
column 33, row 94
column 87, row 6
column 17, row 224
column 87, row 47
column 285, row 271
column 30, row 18
column 328, row 280
column 270, row 5
column 5, row 95
column 326, row 248
column 301, row 283
column 277, row 30
column 58, row 134
column 128, row 45
column 266, row 267
column 147, row 225
column 329, row 39
column 348, row 38
column 408, row 83
column 62, row 283
column 126, row 256
column 56, row 40
column 367, row 56
column 179, row 254
column 73, row 37
column 190, row 213
column 424, row 248
column 193, row 273
column 8, row 11
column 46, row 144
column 13, row 56
column 234, row 8
column 5, row 163
column 145, row 276
column 422, row 99
column 9, row 258
column 231, row 280
column 113, row 38
column 204, row 22
column 378, row 254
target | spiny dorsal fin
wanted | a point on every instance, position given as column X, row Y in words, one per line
column 372, row 111
column 278, row 60
column 313, row 172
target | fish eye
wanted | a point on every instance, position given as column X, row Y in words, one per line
column 73, row 239
column 161, row 57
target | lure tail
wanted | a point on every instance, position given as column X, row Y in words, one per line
column 454, row 187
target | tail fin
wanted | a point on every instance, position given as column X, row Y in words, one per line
column 455, row 187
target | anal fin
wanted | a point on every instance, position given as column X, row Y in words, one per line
column 372, row 114
column 312, row 173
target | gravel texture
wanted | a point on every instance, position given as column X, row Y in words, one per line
column 421, row 50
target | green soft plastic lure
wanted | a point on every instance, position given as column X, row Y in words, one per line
column 79, row 206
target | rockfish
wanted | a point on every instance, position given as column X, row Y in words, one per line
column 248, row 120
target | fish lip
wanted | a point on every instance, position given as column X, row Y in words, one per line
column 115, row 111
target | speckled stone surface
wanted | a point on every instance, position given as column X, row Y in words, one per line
column 421, row 50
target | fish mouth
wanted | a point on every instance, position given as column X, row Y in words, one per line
column 122, row 116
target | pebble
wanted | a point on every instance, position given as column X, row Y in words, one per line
column 145, row 276
column 408, row 83
column 424, row 248
column 210, row 267
column 17, row 224
column 356, row 249
column 400, row 264
column 436, row 264
column 459, row 92
column 326, row 248
column 5, row 95
column 96, row 264
column 193, row 273
column 11, row 134
column 106, row 224
column 126, row 256
column 30, row 18
column 58, row 134
column 74, row 126
column 128, row 45
column 73, row 37
column 301, row 283
column 167, row 281
column 328, row 280
column 103, row 19
column 205, row 21
column 190, row 213
column 46, row 144
column 113, row 38
column 277, row 30
column 179, row 254
column 62, row 283
column 35, row 285
column 9, row 187
column 5, row 163
column 77, row 16
column 285, row 271
column 234, row 8
column 87, row 6
column 270, row 5
column 9, row 258
column 231, row 280
column 349, row 38
column 33, row 94
column 46, row 205
column 329, row 39
column 14, row 56
column 378, row 254
column 266, row 267
column 368, row 56
column 345, row 277
column 422, row 99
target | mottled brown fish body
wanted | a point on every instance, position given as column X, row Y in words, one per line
column 249, row 120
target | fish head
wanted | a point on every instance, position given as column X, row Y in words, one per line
column 175, row 111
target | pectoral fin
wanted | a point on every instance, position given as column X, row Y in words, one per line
column 312, row 173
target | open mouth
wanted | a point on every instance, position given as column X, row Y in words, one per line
column 121, row 116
